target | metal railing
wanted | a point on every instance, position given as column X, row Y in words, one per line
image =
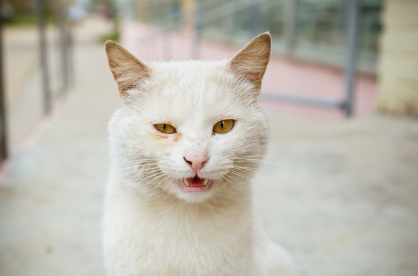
column 346, row 103
column 55, row 82
column 213, row 13
column 3, row 126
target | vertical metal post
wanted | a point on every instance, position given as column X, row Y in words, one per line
column 196, row 32
column 67, row 49
column 166, row 36
column 40, row 10
column 65, row 43
column 144, row 8
column 255, row 18
column 228, row 21
column 62, row 45
column 290, row 25
column 70, row 51
column 352, row 14
column 3, row 125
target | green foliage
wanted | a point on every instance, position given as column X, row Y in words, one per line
column 113, row 35
column 28, row 19
column 23, row 20
column 105, row 2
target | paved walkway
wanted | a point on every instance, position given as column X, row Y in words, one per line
column 341, row 196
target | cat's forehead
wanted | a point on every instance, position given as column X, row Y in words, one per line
column 196, row 79
column 189, row 75
column 196, row 88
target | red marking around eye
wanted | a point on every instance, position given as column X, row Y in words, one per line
column 177, row 137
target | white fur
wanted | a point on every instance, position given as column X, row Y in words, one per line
column 153, row 228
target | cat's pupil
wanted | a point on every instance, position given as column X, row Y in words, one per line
column 222, row 124
column 164, row 126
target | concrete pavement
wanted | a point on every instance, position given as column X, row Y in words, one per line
column 51, row 199
column 341, row 195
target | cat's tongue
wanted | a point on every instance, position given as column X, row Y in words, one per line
column 196, row 182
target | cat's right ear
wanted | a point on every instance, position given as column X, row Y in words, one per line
column 251, row 62
column 127, row 70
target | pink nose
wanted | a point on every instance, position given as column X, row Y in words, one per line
column 196, row 163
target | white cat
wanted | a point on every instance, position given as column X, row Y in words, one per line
column 183, row 147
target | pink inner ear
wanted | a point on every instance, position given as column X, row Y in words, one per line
column 251, row 62
column 127, row 70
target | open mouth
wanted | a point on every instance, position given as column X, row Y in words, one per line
column 195, row 184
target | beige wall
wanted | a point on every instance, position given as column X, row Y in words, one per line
column 398, row 66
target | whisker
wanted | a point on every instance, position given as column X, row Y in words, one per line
column 266, row 157
column 259, row 161
column 256, row 171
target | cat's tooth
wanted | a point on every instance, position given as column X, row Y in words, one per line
column 186, row 182
column 205, row 182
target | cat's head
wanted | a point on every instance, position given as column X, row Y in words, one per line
column 192, row 130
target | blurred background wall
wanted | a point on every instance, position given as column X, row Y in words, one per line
column 312, row 30
column 310, row 41
column 398, row 66
column 308, row 30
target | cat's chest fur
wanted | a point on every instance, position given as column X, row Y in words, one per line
column 176, row 239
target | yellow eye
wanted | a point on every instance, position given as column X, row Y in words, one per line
column 165, row 128
column 223, row 126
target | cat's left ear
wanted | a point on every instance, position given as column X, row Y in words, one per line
column 251, row 62
column 127, row 70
